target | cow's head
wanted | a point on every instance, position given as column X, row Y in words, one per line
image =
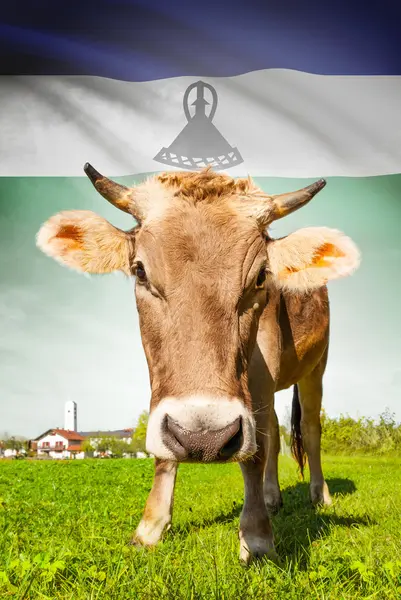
column 204, row 266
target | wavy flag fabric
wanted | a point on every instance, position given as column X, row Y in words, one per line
column 286, row 92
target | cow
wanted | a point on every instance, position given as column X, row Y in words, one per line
column 228, row 316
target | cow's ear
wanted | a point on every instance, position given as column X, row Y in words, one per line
column 86, row 242
column 308, row 258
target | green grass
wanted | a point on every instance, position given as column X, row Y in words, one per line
column 64, row 529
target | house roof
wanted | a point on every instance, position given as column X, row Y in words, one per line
column 121, row 433
column 75, row 448
column 65, row 433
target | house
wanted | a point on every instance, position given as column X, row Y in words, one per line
column 64, row 443
column 58, row 443
column 95, row 437
column 12, row 452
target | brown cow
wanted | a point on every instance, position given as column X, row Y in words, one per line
column 228, row 316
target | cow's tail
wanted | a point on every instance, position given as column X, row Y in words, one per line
column 297, row 447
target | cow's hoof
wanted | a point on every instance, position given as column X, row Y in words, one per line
column 149, row 533
column 320, row 495
column 136, row 542
column 254, row 547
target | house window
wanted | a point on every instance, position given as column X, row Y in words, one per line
column 46, row 444
column 59, row 445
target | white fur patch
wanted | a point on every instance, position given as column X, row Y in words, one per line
column 149, row 533
column 45, row 236
column 150, row 529
column 295, row 262
column 152, row 198
column 85, row 242
column 199, row 413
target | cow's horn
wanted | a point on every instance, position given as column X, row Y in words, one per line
column 284, row 204
column 119, row 195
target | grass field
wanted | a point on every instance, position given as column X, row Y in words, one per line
column 64, row 529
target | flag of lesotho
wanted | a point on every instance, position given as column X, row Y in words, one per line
column 285, row 91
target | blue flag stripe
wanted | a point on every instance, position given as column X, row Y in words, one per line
column 144, row 40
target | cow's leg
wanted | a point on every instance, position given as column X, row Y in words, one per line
column 159, row 505
column 310, row 393
column 271, row 486
column 255, row 533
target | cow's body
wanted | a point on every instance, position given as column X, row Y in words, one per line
column 228, row 317
column 299, row 327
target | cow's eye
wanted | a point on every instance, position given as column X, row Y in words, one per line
column 261, row 278
column 140, row 273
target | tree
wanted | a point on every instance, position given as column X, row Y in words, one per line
column 139, row 435
column 13, row 444
column 87, row 446
column 286, row 422
column 103, row 444
column 285, row 434
column 18, row 445
column 107, row 444
column 141, row 426
column 135, row 446
column 118, row 447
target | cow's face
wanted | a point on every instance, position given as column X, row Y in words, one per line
column 200, row 289
column 204, row 266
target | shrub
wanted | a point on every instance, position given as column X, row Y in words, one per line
column 364, row 435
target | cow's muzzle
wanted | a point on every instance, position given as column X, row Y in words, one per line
column 201, row 429
column 204, row 446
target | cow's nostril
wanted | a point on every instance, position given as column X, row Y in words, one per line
column 234, row 443
column 171, row 440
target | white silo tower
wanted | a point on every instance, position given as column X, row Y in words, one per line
column 70, row 416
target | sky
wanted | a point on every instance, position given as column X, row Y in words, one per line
column 67, row 336
column 84, row 81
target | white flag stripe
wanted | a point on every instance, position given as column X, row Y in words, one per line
column 284, row 123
